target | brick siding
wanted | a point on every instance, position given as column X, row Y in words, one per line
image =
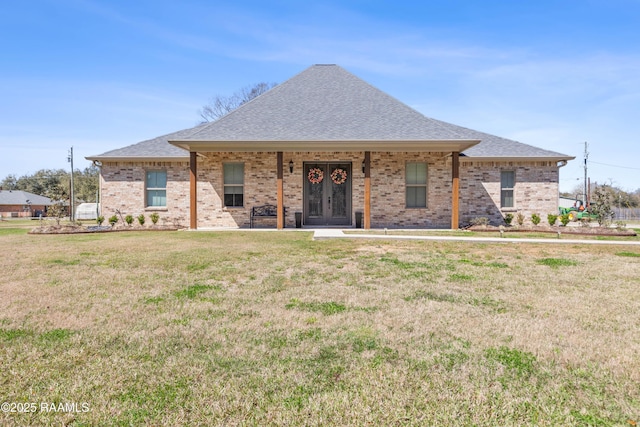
column 536, row 188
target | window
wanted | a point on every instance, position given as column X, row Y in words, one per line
column 156, row 188
column 233, row 184
column 507, row 184
column 416, row 185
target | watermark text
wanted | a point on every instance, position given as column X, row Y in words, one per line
column 47, row 407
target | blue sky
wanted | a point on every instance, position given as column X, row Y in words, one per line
column 99, row 75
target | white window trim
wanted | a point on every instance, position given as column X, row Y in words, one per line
column 147, row 189
column 512, row 189
column 224, row 185
column 425, row 185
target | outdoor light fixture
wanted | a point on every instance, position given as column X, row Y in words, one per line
column 290, row 166
column 363, row 166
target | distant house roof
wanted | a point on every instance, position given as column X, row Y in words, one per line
column 327, row 108
column 17, row 197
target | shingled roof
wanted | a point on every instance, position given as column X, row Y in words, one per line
column 327, row 108
column 151, row 149
column 495, row 147
column 325, row 102
column 18, row 197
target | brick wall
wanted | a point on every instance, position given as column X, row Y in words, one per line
column 388, row 191
column 122, row 187
column 8, row 211
column 536, row 190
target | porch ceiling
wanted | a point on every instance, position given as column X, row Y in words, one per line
column 315, row 146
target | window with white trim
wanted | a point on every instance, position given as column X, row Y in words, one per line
column 507, row 185
column 416, row 185
column 233, row 184
column 156, row 189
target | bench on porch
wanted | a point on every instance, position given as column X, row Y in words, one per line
column 264, row 211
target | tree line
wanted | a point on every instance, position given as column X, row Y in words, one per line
column 56, row 184
column 614, row 195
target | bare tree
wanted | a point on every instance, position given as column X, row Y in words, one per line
column 220, row 105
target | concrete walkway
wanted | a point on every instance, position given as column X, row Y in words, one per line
column 333, row 233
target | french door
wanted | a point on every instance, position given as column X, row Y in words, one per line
column 327, row 193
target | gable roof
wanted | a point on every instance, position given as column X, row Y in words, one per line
column 326, row 108
column 18, row 197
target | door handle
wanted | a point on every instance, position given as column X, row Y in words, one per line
column 329, row 200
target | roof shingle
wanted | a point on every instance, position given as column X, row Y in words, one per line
column 327, row 103
column 324, row 103
column 18, row 197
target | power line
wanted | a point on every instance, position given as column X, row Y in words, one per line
column 614, row 166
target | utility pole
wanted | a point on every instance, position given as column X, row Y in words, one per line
column 586, row 189
column 72, row 215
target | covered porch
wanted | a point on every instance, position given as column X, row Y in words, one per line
column 359, row 161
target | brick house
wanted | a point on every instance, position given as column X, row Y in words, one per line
column 330, row 147
column 16, row 203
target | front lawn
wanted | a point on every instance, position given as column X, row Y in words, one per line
column 272, row 328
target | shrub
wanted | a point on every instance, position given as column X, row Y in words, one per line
column 535, row 218
column 100, row 220
column 141, row 219
column 601, row 206
column 480, row 220
column 508, row 218
column 154, row 218
column 128, row 219
column 113, row 219
column 56, row 211
column 520, row 218
column 552, row 218
column 565, row 219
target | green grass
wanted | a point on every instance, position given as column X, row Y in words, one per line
column 13, row 334
column 629, row 254
column 507, row 233
column 263, row 328
column 460, row 277
column 521, row 363
column 55, row 335
column 51, row 336
column 12, row 231
column 192, row 291
column 326, row 308
column 485, row 301
column 557, row 262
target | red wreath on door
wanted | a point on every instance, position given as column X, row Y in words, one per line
column 315, row 176
column 339, row 176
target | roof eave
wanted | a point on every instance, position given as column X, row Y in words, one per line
column 466, row 158
column 323, row 145
column 138, row 159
